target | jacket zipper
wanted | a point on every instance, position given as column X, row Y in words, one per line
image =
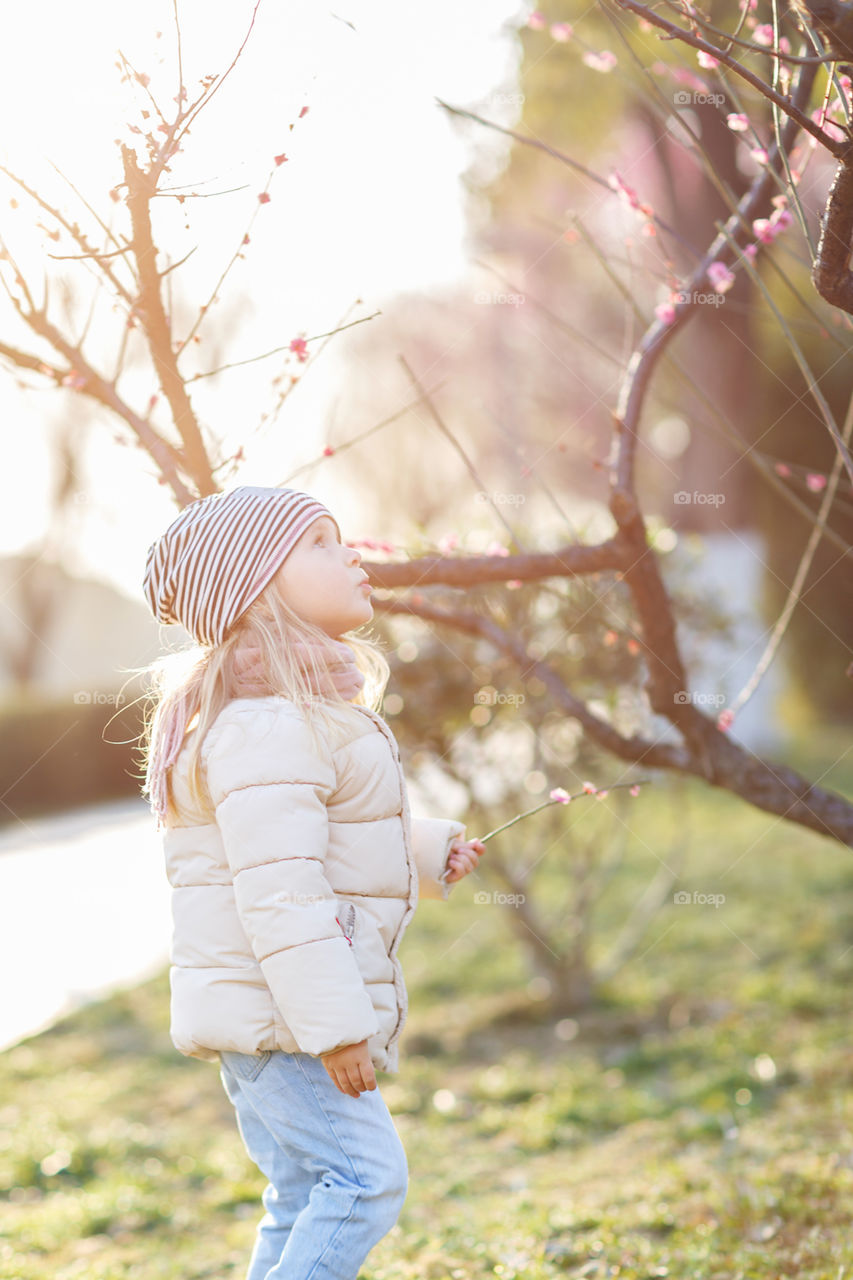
column 399, row 980
column 347, row 929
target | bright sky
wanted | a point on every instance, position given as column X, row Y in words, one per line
column 369, row 203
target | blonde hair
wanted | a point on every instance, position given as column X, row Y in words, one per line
column 196, row 683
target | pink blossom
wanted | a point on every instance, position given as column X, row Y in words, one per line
column 764, row 231
column 536, row 21
column 737, row 122
column 448, row 542
column 815, row 482
column 599, row 795
column 559, row 794
column 604, row 61
column 617, row 183
column 561, row 31
column 264, row 197
column 781, row 219
column 707, row 60
column 763, row 34
column 299, row 347
column 665, row 312
column 759, row 154
column 495, row 549
column 724, row 720
column 328, row 452
column 749, row 251
column 635, row 791
column 782, row 469
column 590, row 788
column 720, row 277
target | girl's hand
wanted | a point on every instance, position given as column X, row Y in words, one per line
column 350, row 1068
column 463, row 858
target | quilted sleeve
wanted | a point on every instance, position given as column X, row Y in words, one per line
column 270, row 786
column 431, row 840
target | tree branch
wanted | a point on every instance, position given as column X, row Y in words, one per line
column 718, row 760
column 569, row 561
column 634, row 749
column 97, row 388
column 140, row 187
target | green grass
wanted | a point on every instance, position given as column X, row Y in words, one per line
column 697, row 1121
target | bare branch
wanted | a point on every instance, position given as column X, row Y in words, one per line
column 555, row 154
column 213, row 89
column 34, row 363
column 717, row 759
column 238, row 364
column 96, row 387
column 570, row 561
column 635, row 749
column 469, row 466
column 73, row 230
column 157, row 328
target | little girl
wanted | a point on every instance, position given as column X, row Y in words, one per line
column 294, row 862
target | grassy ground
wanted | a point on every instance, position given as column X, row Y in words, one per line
column 696, row 1123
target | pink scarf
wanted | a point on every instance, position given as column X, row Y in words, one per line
column 250, row 681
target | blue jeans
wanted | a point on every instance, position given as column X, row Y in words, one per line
column 336, row 1168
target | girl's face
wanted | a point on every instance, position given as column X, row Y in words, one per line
column 322, row 581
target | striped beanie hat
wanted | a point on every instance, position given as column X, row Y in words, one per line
column 216, row 558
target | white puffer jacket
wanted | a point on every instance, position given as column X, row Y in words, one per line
column 292, row 890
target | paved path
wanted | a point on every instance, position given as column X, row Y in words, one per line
column 84, row 908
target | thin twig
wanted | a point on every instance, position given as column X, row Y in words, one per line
column 811, row 383
column 799, row 577
column 238, row 364
column 578, row 795
column 469, row 465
